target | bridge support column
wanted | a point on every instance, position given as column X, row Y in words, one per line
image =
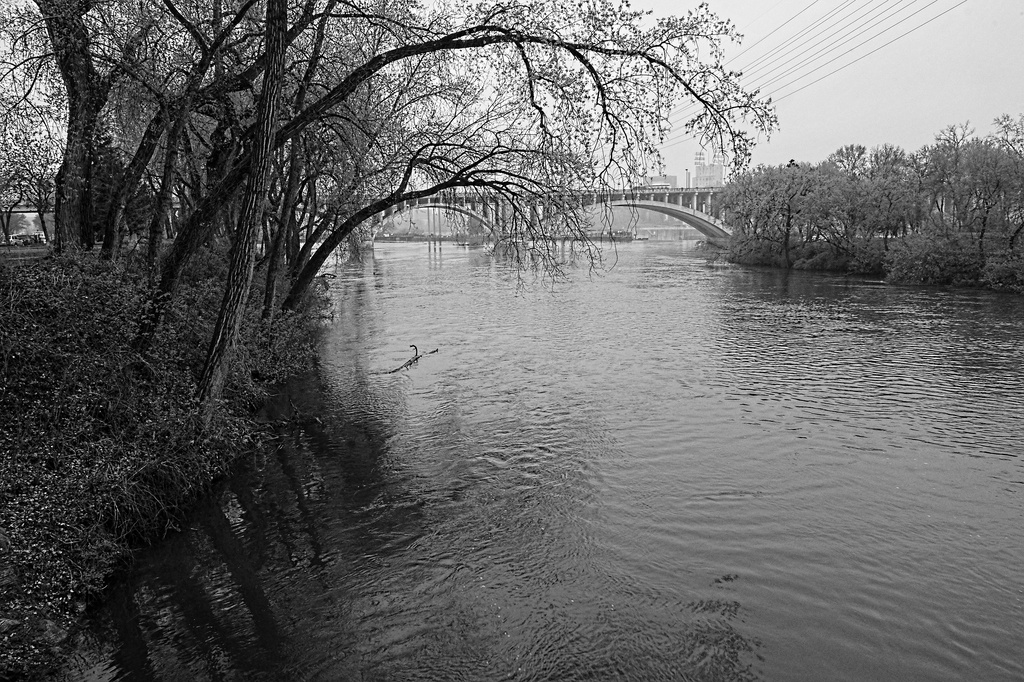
column 486, row 210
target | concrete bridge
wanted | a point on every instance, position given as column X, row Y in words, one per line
column 696, row 207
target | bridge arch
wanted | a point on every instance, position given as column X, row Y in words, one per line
column 442, row 206
column 707, row 225
column 702, row 222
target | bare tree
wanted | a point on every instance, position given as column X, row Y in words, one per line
column 533, row 102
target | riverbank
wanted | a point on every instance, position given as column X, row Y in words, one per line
column 918, row 259
column 102, row 450
column 587, row 501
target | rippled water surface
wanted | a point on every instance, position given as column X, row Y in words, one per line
column 673, row 470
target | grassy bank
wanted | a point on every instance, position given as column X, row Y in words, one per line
column 101, row 449
column 917, row 259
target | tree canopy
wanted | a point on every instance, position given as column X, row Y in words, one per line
column 346, row 108
column 952, row 211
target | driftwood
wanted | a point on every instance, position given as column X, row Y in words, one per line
column 416, row 355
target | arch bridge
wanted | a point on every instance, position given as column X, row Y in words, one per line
column 696, row 207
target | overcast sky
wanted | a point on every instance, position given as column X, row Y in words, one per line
column 965, row 64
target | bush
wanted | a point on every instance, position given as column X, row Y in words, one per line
column 926, row 259
column 1005, row 271
column 102, row 449
column 867, row 257
column 747, row 250
column 818, row 256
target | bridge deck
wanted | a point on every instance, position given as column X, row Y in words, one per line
column 680, row 204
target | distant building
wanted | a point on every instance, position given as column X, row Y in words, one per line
column 662, row 182
column 709, row 174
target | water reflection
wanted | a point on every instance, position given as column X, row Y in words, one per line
column 327, row 561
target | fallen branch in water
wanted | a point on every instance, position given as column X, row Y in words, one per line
column 416, row 355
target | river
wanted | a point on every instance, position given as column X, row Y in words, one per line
column 668, row 469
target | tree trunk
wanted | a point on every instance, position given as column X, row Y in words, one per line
column 87, row 93
column 73, row 206
column 236, row 289
column 1013, row 237
column 285, row 227
column 305, row 277
column 313, row 233
column 5, row 224
column 273, row 269
column 132, row 177
column 297, row 260
column 42, row 226
column 161, row 212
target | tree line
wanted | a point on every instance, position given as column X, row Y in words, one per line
column 202, row 160
column 275, row 129
column 950, row 213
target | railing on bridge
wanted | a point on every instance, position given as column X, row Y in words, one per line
column 694, row 206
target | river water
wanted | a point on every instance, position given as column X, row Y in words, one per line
column 667, row 470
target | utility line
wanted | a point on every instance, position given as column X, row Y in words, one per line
column 758, row 42
column 850, row 38
column 847, row 32
column 858, row 45
column 758, row 63
column 758, row 59
column 794, row 64
column 754, row 20
column 672, row 141
column 788, row 94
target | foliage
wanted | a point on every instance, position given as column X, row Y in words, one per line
column 101, row 448
column 1004, row 271
column 950, row 213
column 282, row 132
column 197, row 134
column 924, row 259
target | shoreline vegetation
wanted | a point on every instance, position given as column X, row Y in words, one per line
column 203, row 164
column 951, row 213
column 104, row 450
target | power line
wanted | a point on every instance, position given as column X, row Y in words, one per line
column 752, row 67
column 860, row 44
column 754, row 20
column 792, row 69
column 685, row 136
column 794, row 64
column 758, row 42
column 847, row 39
column 775, row 30
column 685, row 108
column 846, row 31
column 788, row 94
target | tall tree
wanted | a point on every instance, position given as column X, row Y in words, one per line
column 1009, row 136
column 87, row 89
column 236, row 288
column 534, row 102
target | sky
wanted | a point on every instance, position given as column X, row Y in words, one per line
column 949, row 62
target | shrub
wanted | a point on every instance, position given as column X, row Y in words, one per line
column 100, row 448
column 926, row 259
column 867, row 257
column 818, row 256
column 1005, row 271
column 748, row 250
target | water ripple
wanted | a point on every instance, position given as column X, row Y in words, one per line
column 671, row 471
